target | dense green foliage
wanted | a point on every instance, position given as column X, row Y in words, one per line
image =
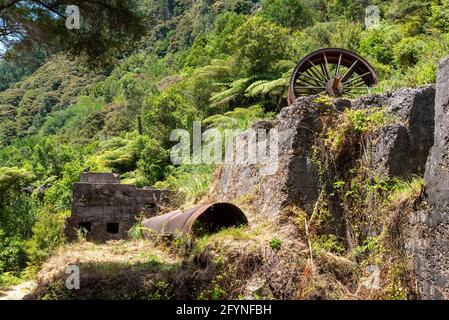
column 18, row 64
column 225, row 63
column 106, row 27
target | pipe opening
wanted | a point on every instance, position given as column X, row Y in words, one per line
column 217, row 217
column 198, row 221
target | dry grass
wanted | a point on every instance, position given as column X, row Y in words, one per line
column 112, row 253
column 220, row 265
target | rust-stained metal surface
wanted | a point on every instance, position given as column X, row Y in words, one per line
column 208, row 218
column 332, row 71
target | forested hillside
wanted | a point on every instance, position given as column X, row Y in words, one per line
column 226, row 63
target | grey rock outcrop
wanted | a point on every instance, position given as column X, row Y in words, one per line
column 294, row 180
column 397, row 149
column 417, row 135
column 428, row 242
column 401, row 148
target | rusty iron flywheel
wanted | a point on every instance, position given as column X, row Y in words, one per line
column 331, row 71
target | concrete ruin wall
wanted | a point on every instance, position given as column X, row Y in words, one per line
column 109, row 209
column 100, row 178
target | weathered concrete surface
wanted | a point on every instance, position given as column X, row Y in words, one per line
column 401, row 149
column 94, row 177
column 103, row 201
column 295, row 180
column 428, row 241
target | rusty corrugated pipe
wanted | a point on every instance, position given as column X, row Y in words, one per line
column 212, row 218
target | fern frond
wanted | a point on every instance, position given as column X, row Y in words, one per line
column 237, row 88
column 265, row 87
column 220, row 121
column 255, row 85
column 217, row 69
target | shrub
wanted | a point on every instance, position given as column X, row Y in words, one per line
column 136, row 232
column 352, row 124
column 408, row 51
column 239, row 118
column 346, row 35
column 59, row 195
column 225, row 26
column 215, row 291
column 395, row 289
column 167, row 111
column 48, row 234
column 191, row 182
column 153, row 162
column 8, row 279
column 440, row 15
column 426, row 72
column 352, row 10
column 153, row 260
column 378, row 43
column 12, row 254
column 406, row 190
column 367, row 120
column 327, row 243
column 17, row 208
column 121, row 154
column 162, row 291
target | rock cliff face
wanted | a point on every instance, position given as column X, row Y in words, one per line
column 397, row 149
column 429, row 234
column 402, row 147
column 294, row 181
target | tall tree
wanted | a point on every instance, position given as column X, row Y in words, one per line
column 107, row 27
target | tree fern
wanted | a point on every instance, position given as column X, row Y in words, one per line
column 273, row 87
column 239, row 118
column 236, row 89
column 264, row 87
column 260, row 84
column 217, row 69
